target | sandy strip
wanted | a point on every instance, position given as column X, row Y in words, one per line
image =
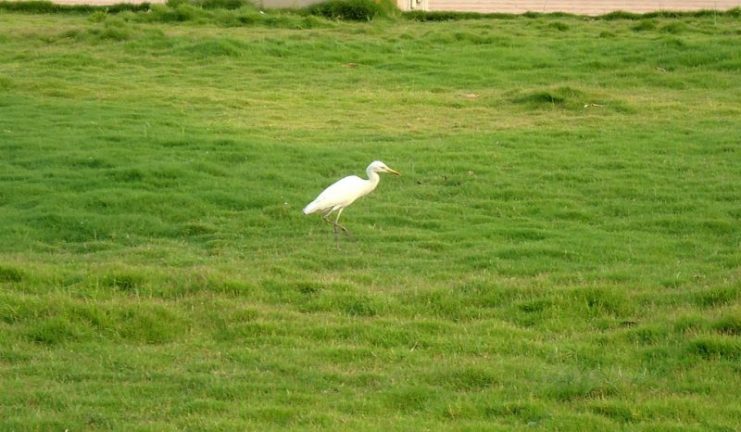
column 582, row 7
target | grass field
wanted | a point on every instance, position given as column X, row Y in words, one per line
column 562, row 251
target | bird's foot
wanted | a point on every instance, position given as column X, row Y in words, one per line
column 345, row 230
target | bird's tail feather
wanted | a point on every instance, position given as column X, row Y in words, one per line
column 311, row 208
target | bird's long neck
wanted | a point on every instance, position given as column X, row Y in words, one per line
column 373, row 179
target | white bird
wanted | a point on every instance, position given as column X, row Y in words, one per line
column 344, row 192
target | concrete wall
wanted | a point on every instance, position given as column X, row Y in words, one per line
column 408, row 5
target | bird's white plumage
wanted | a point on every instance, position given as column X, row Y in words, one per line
column 345, row 191
column 341, row 194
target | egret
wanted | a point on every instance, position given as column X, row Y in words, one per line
column 344, row 192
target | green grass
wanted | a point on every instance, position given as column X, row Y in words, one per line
column 561, row 252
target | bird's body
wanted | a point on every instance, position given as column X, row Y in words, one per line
column 341, row 194
column 345, row 191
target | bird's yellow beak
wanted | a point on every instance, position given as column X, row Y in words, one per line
column 394, row 172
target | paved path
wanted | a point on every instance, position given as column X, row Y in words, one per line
column 584, row 7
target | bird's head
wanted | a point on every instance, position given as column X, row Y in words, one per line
column 379, row 167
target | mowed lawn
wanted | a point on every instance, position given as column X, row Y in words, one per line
column 561, row 252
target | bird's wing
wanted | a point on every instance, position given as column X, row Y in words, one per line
column 342, row 192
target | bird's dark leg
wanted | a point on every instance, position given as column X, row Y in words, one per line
column 325, row 218
column 337, row 224
column 336, row 234
column 345, row 230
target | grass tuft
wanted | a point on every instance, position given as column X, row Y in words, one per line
column 465, row 379
column 644, row 25
column 561, row 97
column 55, row 331
column 10, row 274
column 571, row 387
column 123, row 282
column 150, row 325
column 716, row 347
column 615, row 411
column 718, row 296
column 351, row 10
column 729, row 325
column 560, row 26
column 409, row 399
